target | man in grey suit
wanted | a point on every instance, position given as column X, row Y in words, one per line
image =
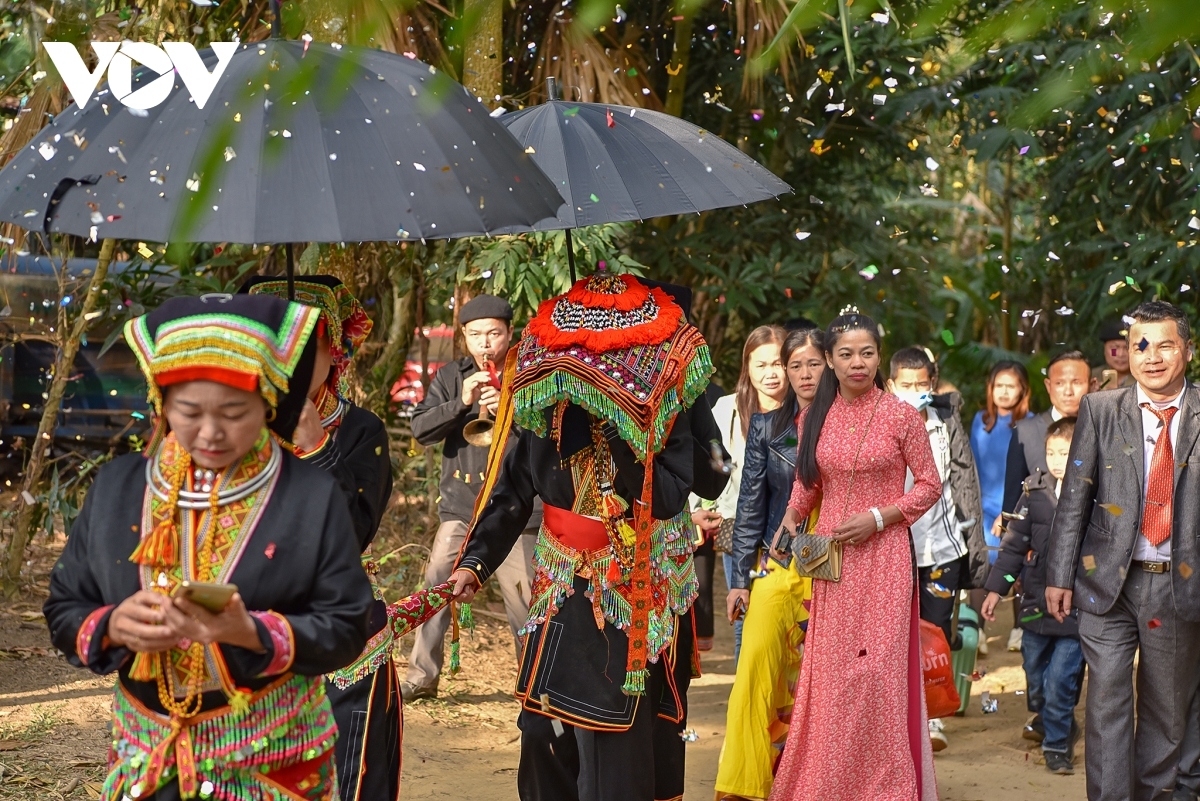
column 1123, row 549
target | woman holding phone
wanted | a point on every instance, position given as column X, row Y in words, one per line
column 859, row 728
column 228, row 703
column 772, row 596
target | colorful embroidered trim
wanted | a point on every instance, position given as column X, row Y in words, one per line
column 674, row 584
column 87, row 632
column 286, row 724
column 349, row 325
column 230, row 527
column 639, row 390
column 282, row 640
column 226, row 341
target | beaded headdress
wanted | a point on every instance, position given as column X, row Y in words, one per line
column 256, row 343
column 345, row 319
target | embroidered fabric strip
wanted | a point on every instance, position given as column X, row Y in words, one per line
column 87, row 632
column 673, row 579
column 236, row 757
column 282, row 641
column 230, row 528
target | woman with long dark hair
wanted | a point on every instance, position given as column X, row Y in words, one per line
column 761, row 387
column 1007, row 404
column 774, row 597
column 859, row 727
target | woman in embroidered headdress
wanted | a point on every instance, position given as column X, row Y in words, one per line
column 351, row 444
column 229, row 704
column 596, row 385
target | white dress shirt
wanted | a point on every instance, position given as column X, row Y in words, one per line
column 1151, row 429
column 937, row 534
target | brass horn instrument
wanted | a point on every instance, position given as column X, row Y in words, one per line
column 479, row 431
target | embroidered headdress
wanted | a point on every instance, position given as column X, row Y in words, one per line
column 252, row 343
column 623, row 351
column 343, row 316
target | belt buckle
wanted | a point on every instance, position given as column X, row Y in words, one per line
column 1155, row 567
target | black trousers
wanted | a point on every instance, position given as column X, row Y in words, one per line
column 706, row 564
column 644, row 763
column 370, row 722
column 937, row 602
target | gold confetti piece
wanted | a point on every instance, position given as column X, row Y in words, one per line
column 1102, row 111
column 1185, row 570
column 1053, row 219
column 914, row 144
column 947, row 282
column 1176, row 163
column 237, row 117
column 826, row 75
column 956, row 140
column 1100, row 225
column 1089, row 563
column 819, row 147
column 1112, row 509
column 378, row 450
column 144, row 251
column 810, row 50
column 993, row 296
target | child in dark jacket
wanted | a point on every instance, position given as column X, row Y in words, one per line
column 1053, row 659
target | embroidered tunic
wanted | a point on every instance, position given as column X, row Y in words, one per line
column 297, row 569
column 859, row 726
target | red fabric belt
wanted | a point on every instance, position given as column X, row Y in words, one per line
column 575, row 531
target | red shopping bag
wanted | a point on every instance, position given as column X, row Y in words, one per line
column 941, row 696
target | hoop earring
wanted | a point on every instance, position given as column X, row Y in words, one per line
column 272, row 413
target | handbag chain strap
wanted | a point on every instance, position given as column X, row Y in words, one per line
column 854, row 466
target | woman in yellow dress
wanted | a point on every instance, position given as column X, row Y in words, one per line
column 774, row 598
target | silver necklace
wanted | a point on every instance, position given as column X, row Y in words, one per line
column 204, row 478
column 337, row 413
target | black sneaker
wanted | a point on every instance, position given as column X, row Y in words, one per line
column 1059, row 763
column 411, row 692
column 1034, row 730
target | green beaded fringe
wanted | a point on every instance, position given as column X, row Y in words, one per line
column 635, row 682
column 560, row 385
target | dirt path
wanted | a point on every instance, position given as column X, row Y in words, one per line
column 53, row 721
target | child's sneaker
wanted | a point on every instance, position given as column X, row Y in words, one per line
column 1059, row 763
column 937, row 735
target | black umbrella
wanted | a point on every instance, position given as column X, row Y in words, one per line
column 299, row 142
column 616, row 163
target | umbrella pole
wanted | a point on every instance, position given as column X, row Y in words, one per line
column 291, row 272
column 571, row 257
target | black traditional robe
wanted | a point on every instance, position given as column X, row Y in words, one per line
column 301, row 561
column 368, row 712
column 592, row 662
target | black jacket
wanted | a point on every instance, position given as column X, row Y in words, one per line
column 357, row 456
column 1026, row 456
column 768, row 472
column 1023, row 556
column 440, row 416
column 301, row 561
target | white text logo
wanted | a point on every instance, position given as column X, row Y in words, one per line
column 118, row 58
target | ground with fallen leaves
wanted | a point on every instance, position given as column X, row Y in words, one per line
column 53, row 722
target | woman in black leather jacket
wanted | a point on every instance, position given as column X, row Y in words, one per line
column 776, row 609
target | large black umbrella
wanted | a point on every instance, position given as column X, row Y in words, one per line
column 299, row 142
column 616, row 163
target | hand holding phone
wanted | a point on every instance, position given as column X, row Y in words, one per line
column 781, row 545
column 213, row 597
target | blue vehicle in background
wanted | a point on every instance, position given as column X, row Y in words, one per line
column 105, row 400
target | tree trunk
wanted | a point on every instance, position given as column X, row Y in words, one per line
column 23, row 530
column 482, row 45
column 680, row 56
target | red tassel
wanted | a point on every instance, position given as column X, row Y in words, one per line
column 160, row 548
column 613, row 576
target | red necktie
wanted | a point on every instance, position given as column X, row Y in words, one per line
column 1160, row 491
